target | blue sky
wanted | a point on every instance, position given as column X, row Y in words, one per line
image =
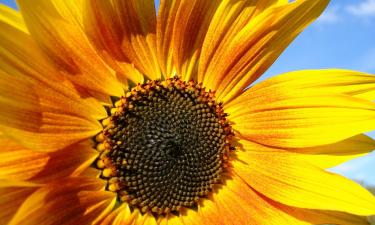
column 343, row 37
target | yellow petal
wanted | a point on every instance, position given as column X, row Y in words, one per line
column 229, row 19
column 294, row 182
column 358, row 144
column 137, row 20
column 328, row 161
column 144, row 219
column 286, row 118
column 256, row 46
column 125, row 216
column 104, row 30
column 323, row 216
column 68, row 201
column 57, row 27
column 122, row 215
column 12, row 17
column 170, row 219
column 206, row 213
column 334, row 81
column 325, row 156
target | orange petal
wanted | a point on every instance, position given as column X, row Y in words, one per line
column 289, row 180
column 19, row 163
column 256, row 46
column 68, row 201
column 137, row 20
column 164, row 33
column 189, row 29
column 71, row 161
column 57, row 27
column 287, row 118
column 17, row 48
column 91, row 172
column 11, row 199
column 41, row 118
column 104, row 30
column 40, row 108
column 237, row 203
column 325, row 156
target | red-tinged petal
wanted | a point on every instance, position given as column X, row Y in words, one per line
column 11, row 199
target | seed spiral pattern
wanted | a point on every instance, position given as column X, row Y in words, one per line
column 165, row 145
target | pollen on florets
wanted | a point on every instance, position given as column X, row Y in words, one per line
column 165, row 145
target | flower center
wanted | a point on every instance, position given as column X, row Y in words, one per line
column 164, row 145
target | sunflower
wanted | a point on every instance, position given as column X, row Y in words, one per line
column 113, row 113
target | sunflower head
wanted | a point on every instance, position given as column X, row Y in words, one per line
column 111, row 113
column 165, row 145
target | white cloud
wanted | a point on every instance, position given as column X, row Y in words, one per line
column 330, row 16
column 364, row 9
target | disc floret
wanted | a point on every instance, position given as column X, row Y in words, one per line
column 165, row 145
